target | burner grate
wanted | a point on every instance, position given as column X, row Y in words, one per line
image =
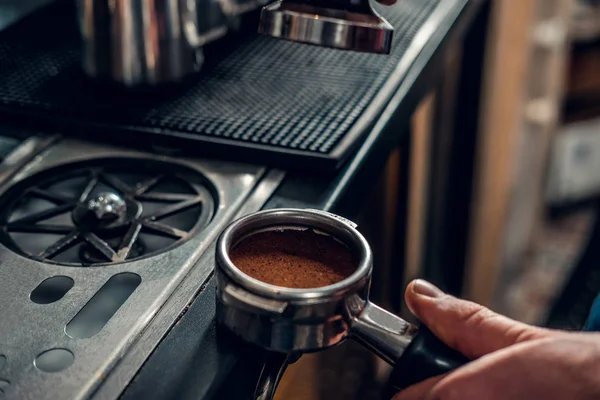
column 108, row 211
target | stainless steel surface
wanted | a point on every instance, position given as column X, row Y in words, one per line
column 194, row 281
column 271, row 374
column 106, row 207
column 276, row 318
column 23, row 155
column 293, row 321
column 382, row 332
column 342, row 25
column 281, row 218
column 29, row 329
column 139, row 42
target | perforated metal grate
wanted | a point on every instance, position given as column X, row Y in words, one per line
column 262, row 91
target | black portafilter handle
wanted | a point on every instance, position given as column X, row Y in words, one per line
column 425, row 357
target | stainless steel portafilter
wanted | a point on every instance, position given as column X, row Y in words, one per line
column 289, row 322
column 341, row 24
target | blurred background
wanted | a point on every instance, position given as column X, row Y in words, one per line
column 536, row 181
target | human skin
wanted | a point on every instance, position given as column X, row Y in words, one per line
column 511, row 360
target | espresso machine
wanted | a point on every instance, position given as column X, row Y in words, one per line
column 147, row 43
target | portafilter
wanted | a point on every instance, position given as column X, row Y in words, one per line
column 290, row 321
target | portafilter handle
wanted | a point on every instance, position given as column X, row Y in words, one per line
column 415, row 353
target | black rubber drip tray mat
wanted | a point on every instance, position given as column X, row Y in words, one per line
column 260, row 93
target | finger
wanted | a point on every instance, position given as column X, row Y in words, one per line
column 463, row 325
column 478, row 379
column 532, row 370
column 420, row 390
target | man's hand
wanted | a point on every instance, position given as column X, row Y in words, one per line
column 512, row 360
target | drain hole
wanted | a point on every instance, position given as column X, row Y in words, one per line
column 54, row 360
column 105, row 303
column 51, row 290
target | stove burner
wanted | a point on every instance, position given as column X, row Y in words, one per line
column 88, row 214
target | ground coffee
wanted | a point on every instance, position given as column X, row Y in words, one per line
column 299, row 259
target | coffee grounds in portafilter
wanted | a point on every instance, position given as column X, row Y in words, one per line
column 299, row 259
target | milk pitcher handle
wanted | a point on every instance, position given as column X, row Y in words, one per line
column 415, row 353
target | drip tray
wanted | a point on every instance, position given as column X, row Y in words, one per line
column 256, row 98
column 94, row 241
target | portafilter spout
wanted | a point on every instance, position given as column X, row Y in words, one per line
column 341, row 24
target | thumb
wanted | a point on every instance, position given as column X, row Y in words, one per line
column 465, row 326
